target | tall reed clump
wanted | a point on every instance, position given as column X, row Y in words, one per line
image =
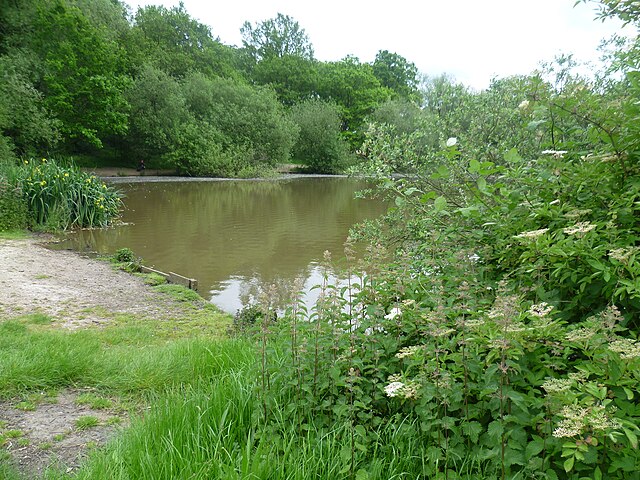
column 61, row 197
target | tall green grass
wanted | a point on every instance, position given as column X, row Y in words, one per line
column 210, row 430
column 40, row 360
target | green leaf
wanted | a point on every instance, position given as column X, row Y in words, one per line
column 495, row 430
column 534, row 448
column 474, row 166
column 512, row 156
column 362, row 474
column 482, row 185
column 568, row 464
column 472, row 429
column 597, row 474
column 428, row 196
column 361, row 447
column 440, row 204
column 633, row 438
column 628, row 392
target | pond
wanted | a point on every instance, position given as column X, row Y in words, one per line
column 236, row 236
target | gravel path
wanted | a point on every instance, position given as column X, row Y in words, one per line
column 76, row 291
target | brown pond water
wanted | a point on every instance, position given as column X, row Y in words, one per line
column 236, row 237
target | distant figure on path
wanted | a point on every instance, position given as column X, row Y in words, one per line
column 141, row 166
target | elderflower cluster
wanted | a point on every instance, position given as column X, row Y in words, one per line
column 532, row 234
column 626, row 347
column 622, row 254
column 600, row 420
column 580, row 227
column 409, row 351
column 577, row 213
column 557, row 385
column 440, row 331
column 540, row 310
column 395, row 312
column 555, row 153
column 407, row 390
column 524, row 105
column 580, row 334
column 393, row 389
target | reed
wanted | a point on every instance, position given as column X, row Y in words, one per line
column 61, row 197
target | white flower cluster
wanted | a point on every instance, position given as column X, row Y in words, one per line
column 393, row 389
column 557, row 385
column 622, row 254
column 577, row 419
column 540, row 310
column 406, row 390
column 580, row 334
column 532, row 234
column 524, row 105
column 580, row 227
column 626, row 347
column 577, row 213
column 555, row 153
column 395, row 312
column 409, row 351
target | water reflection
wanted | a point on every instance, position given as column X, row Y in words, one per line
column 236, row 236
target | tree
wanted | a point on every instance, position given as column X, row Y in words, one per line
column 24, row 122
column 251, row 118
column 396, row 73
column 357, row 92
column 158, row 110
column 293, row 78
column 82, row 78
column 276, row 37
column 178, row 44
column 320, row 146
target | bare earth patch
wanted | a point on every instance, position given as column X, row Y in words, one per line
column 50, row 436
column 75, row 291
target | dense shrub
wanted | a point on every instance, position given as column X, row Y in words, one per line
column 13, row 208
column 320, row 146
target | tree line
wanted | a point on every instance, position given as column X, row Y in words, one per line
column 93, row 80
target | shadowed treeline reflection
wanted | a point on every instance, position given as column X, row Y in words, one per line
column 236, row 236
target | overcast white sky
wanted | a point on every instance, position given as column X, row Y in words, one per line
column 473, row 40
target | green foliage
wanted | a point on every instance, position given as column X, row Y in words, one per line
column 26, row 126
column 320, row 147
column 253, row 119
column 124, row 255
column 127, row 260
column 157, row 112
column 177, row 44
column 82, row 77
column 250, row 316
column 13, row 207
column 293, row 78
column 86, row 422
column 61, row 197
column 276, row 37
column 396, row 73
column 356, row 90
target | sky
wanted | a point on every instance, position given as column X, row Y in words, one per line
column 472, row 40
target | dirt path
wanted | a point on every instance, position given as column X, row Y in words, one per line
column 75, row 291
